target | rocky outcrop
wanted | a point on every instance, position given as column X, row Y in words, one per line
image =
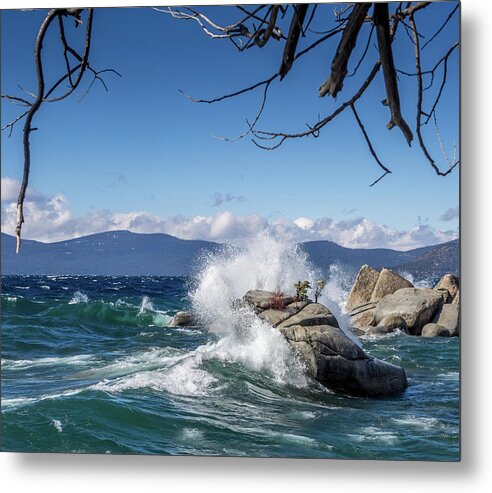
column 448, row 317
column 363, row 287
column 312, row 314
column 261, row 300
column 415, row 306
column 331, row 357
column 434, row 330
column 407, row 308
column 182, row 319
column 457, row 298
column 388, row 282
column 449, row 283
column 372, row 286
column 362, row 318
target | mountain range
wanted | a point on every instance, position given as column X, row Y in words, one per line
column 126, row 253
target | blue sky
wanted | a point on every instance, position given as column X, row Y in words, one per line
column 143, row 157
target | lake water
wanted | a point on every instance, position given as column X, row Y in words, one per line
column 89, row 365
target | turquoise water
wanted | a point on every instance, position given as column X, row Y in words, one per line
column 89, row 365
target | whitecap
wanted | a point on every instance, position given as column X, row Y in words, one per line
column 80, row 359
column 417, row 421
column 57, row 424
column 78, row 297
column 375, row 434
column 185, row 379
column 16, row 402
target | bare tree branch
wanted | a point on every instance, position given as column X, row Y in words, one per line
column 381, row 21
column 434, row 36
column 339, row 64
column 292, row 39
column 419, row 106
column 27, row 126
column 369, row 144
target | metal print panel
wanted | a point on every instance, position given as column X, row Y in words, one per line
column 232, row 230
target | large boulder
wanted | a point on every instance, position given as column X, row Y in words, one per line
column 261, row 300
column 332, row 358
column 388, row 282
column 182, row 319
column 416, row 306
column 394, row 322
column 457, row 298
column 312, row 314
column 276, row 317
column 450, row 283
column 448, row 316
column 363, row 287
column 340, row 365
column 362, row 317
column 389, row 324
column 434, row 330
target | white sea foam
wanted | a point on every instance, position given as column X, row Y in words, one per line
column 423, row 283
column 418, row 422
column 159, row 318
column 146, row 306
column 375, row 434
column 22, row 364
column 185, row 378
column 192, row 434
column 57, row 424
column 78, row 297
column 16, row 402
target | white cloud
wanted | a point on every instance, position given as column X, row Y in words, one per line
column 450, row 214
column 50, row 219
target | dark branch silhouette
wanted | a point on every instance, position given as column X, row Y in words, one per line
column 74, row 75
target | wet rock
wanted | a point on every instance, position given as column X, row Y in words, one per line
column 435, row 330
column 182, row 319
column 380, row 330
column 275, row 317
column 339, row 364
column 262, row 300
column 394, row 322
column 312, row 314
column 448, row 317
column 332, row 358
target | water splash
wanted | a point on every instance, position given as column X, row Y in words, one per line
column 78, row 297
column 265, row 263
column 159, row 318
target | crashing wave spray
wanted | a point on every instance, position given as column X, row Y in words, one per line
column 262, row 262
column 265, row 263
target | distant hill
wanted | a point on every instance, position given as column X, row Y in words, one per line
column 110, row 253
column 434, row 262
column 421, row 263
column 125, row 253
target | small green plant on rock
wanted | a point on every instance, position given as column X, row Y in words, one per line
column 301, row 290
column 320, row 285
